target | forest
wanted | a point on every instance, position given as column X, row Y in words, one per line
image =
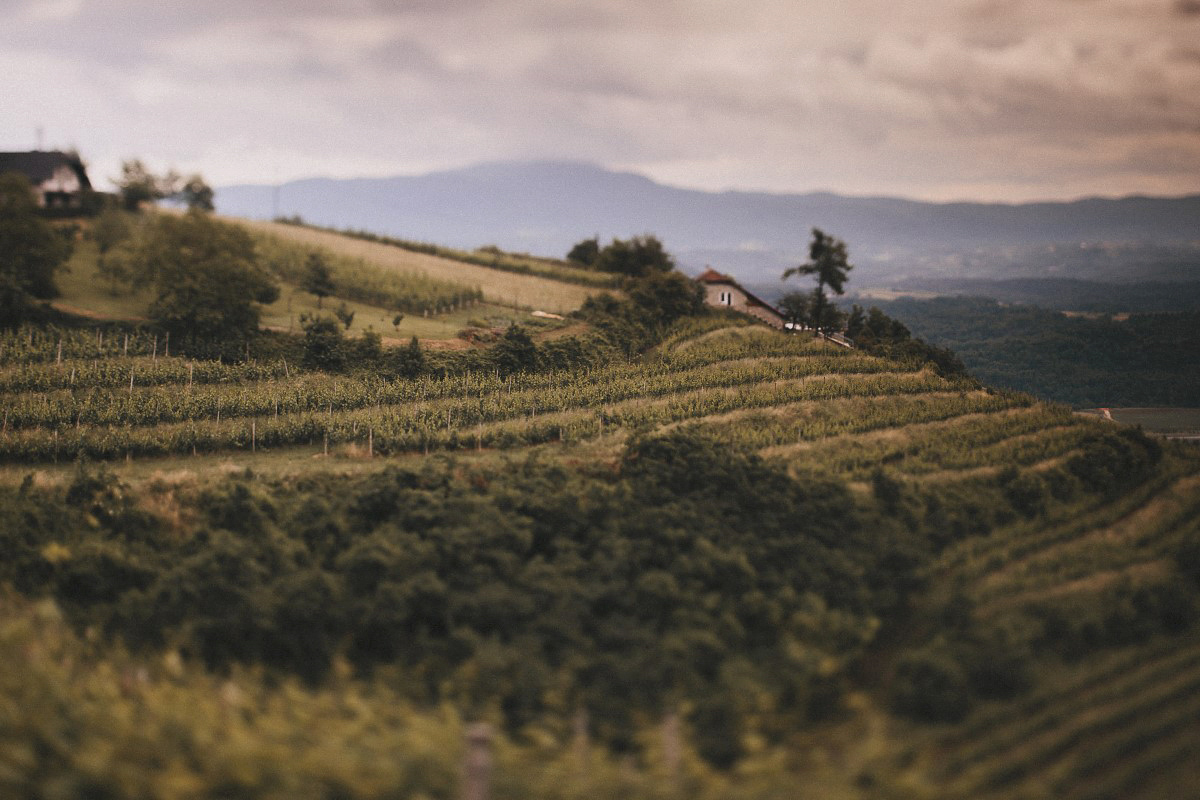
column 1144, row 359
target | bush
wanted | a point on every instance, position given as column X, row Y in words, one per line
column 931, row 687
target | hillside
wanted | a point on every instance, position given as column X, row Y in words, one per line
column 743, row 564
column 438, row 295
column 545, row 207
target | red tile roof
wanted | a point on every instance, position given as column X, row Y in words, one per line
column 710, row 275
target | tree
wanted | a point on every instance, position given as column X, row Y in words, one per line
column 585, row 252
column 410, row 361
column 323, row 348
column 110, row 230
column 138, row 185
column 31, row 250
column 317, row 279
column 796, row 308
column 666, row 296
column 344, row 313
column 827, row 260
column 196, row 194
column 639, row 256
column 206, row 277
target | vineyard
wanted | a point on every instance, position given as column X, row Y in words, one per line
column 994, row 597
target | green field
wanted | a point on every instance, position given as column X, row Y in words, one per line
column 439, row 297
column 974, row 594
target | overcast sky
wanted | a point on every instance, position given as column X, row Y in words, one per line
column 932, row 99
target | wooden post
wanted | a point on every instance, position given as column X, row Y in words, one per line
column 167, row 346
column 191, row 370
column 671, row 748
column 58, row 358
column 154, row 352
column 253, row 435
column 370, row 442
column 126, row 350
column 131, row 380
column 477, row 766
column 286, row 373
column 582, row 741
column 326, row 443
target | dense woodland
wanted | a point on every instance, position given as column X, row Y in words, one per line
column 1145, row 360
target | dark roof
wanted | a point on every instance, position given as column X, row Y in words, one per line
column 39, row 165
column 710, row 275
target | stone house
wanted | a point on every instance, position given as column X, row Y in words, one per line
column 723, row 291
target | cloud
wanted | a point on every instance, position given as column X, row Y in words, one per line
column 1006, row 98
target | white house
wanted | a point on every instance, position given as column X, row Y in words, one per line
column 59, row 179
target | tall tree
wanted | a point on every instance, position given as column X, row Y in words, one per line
column 828, row 262
column 317, row 278
column 31, row 250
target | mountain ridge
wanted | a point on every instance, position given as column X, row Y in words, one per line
column 543, row 207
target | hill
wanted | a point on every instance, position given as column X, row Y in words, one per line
column 742, row 564
column 544, row 207
column 438, row 291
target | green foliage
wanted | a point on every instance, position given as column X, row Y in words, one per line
column 1144, row 361
column 410, row 360
column 637, row 257
column 931, row 687
column 317, row 280
column 828, row 261
column 30, row 251
column 323, row 345
column 876, row 332
column 207, row 281
column 585, row 251
column 195, row 194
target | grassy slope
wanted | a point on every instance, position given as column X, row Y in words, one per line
column 507, row 296
column 499, row 287
column 1120, row 724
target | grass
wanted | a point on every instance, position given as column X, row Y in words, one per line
column 84, row 292
column 529, row 292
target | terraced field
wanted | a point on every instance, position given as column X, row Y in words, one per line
column 1124, row 721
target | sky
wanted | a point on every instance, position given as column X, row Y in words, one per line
column 996, row 100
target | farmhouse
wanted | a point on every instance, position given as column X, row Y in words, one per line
column 59, row 179
column 724, row 292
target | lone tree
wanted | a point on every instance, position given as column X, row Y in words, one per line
column 317, row 279
column 827, row 260
column 208, row 285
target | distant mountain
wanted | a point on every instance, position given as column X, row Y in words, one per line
column 544, row 207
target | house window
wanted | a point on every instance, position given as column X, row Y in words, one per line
column 726, row 298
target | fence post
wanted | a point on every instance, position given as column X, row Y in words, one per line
column 477, row 766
